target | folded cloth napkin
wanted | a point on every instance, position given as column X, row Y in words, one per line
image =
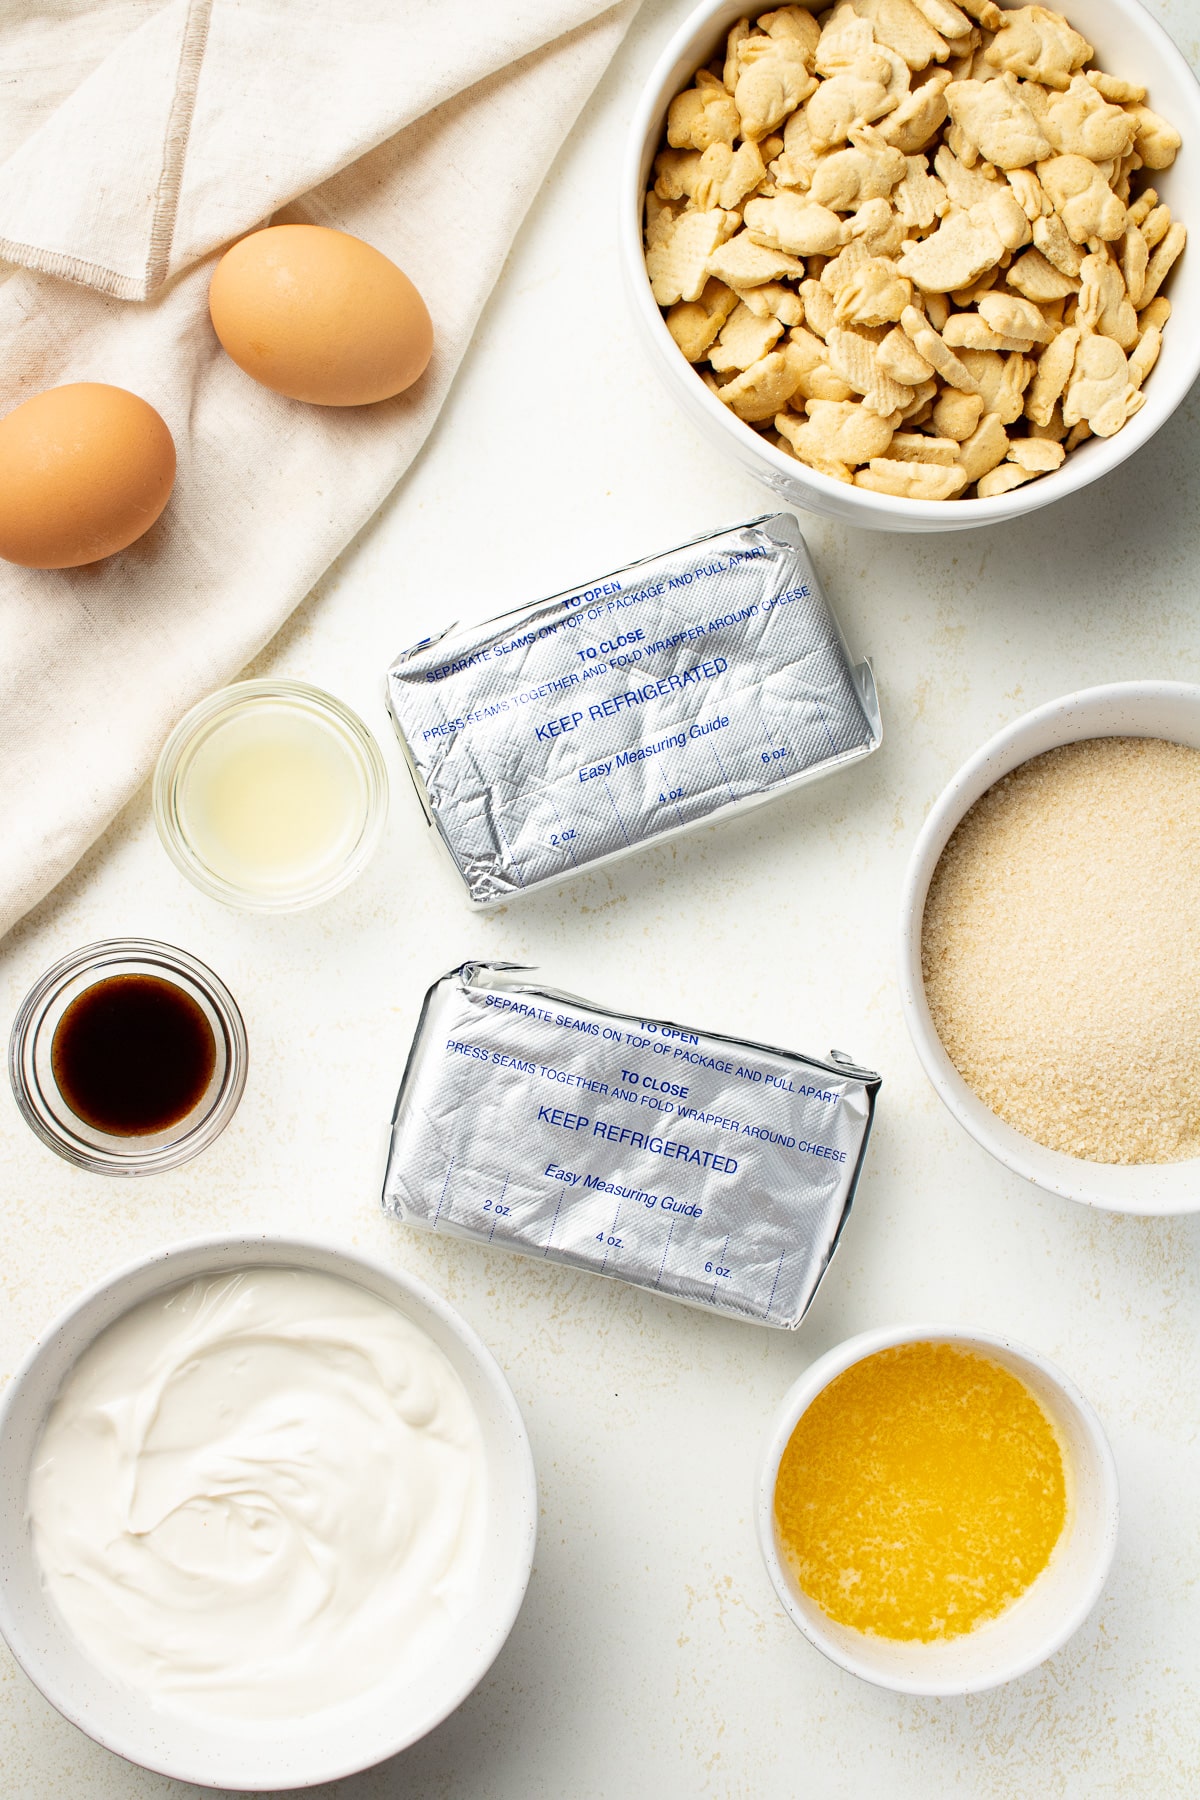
column 138, row 138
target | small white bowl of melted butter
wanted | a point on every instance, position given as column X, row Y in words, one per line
column 267, row 1512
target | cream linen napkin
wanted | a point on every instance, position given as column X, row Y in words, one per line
column 141, row 137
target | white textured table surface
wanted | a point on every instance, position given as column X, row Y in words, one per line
column 651, row 1657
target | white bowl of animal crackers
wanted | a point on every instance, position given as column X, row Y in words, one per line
column 267, row 1512
column 743, row 304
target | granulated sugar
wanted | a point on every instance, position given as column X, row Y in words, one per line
column 1061, row 950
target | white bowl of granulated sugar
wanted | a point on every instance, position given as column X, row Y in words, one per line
column 1048, row 967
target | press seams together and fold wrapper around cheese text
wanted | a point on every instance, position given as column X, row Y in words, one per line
column 900, row 241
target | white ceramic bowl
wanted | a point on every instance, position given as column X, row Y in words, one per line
column 1160, row 709
column 323, row 1747
column 1046, row 1615
column 1127, row 42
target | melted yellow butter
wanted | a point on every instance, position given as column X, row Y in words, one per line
column 921, row 1493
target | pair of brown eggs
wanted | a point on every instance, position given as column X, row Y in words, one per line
column 314, row 314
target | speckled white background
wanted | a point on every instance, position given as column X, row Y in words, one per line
column 651, row 1657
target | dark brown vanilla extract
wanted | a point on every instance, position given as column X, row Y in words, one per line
column 133, row 1055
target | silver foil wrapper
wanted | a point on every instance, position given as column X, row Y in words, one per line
column 713, row 1171
column 704, row 680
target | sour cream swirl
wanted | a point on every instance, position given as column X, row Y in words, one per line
column 260, row 1494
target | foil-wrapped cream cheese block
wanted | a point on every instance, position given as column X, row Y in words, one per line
column 707, row 679
column 710, row 1170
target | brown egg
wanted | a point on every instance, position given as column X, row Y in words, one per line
column 320, row 316
column 84, row 471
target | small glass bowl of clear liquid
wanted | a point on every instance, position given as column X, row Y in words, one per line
column 270, row 795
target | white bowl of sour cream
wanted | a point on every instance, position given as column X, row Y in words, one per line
column 267, row 1512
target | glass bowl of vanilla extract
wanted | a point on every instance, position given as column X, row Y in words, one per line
column 128, row 1057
